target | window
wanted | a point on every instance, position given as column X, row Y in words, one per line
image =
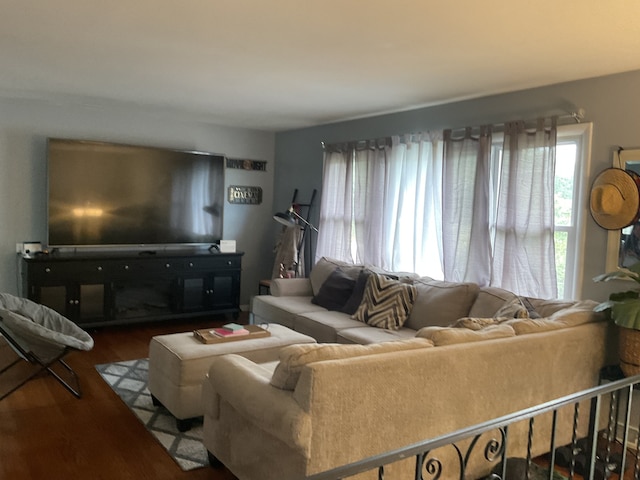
column 572, row 167
column 396, row 194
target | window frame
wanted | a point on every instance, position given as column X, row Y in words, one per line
column 581, row 135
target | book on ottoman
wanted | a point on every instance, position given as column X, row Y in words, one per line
column 210, row 335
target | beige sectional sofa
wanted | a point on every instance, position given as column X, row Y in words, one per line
column 437, row 303
column 370, row 390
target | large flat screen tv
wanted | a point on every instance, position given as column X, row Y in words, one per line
column 106, row 194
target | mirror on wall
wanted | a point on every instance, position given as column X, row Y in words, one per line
column 623, row 246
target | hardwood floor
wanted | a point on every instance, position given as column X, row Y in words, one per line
column 46, row 433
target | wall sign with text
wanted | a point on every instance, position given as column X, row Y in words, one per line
column 244, row 195
column 257, row 165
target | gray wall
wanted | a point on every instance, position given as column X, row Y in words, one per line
column 612, row 104
column 25, row 125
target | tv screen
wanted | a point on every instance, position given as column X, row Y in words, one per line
column 105, row 194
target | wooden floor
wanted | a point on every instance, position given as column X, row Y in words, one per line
column 46, row 433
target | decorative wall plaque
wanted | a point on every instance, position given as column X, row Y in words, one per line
column 244, row 195
column 257, row 165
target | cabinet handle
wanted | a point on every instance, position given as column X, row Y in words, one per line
column 167, row 265
column 229, row 262
column 99, row 269
column 126, row 267
column 47, row 270
column 191, row 264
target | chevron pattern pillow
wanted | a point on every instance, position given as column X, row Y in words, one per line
column 386, row 302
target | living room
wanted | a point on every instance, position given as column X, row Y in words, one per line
column 294, row 154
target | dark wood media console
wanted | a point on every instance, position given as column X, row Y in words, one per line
column 98, row 289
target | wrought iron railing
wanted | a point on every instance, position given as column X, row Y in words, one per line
column 606, row 450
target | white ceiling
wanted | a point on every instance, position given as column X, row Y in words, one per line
column 283, row 64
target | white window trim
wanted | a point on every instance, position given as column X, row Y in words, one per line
column 583, row 133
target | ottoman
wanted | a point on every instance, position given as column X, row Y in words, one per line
column 178, row 364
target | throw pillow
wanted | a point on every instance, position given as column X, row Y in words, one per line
column 530, row 308
column 579, row 314
column 386, row 303
column 357, row 294
column 512, row 309
column 325, row 266
column 474, row 323
column 335, row 291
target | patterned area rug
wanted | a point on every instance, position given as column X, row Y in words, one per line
column 129, row 381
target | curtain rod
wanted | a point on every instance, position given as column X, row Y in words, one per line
column 577, row 115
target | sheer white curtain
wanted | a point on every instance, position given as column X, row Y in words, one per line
column 447, row 206
column 524, row 253
column 466, row 207
column 381, row 204
column 352, row 210
column 415, row 185
column 336, row 205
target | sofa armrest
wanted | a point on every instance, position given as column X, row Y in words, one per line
column 240, row 383
column 282, row 287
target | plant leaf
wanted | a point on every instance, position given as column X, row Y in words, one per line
column 622, row 296
column 632, row 273
column 601, row 307
column 626, row 313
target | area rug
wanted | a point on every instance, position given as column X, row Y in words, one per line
column 129, row 381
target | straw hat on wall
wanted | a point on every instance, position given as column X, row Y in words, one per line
column 615, row 198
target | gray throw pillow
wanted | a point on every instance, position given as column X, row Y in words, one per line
column 335, row 291
column 355, row 299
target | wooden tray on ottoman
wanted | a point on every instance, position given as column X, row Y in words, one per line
column 204, row 335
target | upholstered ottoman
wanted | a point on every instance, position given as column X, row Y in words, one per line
column 178, row 363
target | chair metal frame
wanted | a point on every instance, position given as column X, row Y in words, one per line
column 32, row 358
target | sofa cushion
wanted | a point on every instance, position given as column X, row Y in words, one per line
column 325, row 267
column 578, row 314
column 449, row 336
column 440, row 303
column 489, row 301
column 325, row 325
column 386, row 303
column 282, row 310
column 365, row 335
column 335, row 291
column 294, row 357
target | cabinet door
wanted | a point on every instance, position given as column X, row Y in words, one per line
column 77, row 302
column 54, row 297
column 222, row 290
column 92, row 305
column 194, row 293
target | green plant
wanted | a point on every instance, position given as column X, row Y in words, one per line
column 624, row 306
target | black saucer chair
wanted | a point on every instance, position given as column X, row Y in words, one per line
column 42, row 337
